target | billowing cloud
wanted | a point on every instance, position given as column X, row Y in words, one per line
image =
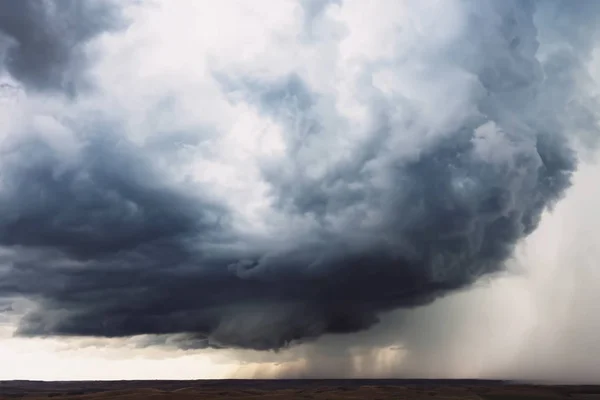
column 42, row 42
column 248, row 185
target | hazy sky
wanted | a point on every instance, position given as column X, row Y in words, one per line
column 302, row 188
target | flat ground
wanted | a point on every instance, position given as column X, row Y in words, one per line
column 292, row 389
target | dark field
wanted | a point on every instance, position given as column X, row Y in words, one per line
column 292, row 389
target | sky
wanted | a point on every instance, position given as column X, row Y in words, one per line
column 301, row 188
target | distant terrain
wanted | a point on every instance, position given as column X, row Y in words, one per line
column 293, row 389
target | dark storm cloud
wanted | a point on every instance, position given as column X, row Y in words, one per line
column 111, row 248
column 42, row 40
column 114, row 203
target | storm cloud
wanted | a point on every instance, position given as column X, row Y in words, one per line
column 42, row 42
column 418, row 174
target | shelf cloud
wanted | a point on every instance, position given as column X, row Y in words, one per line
column 260, row 175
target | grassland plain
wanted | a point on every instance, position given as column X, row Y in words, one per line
column 293, row 389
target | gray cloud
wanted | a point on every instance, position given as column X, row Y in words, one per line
column 109, row 246
column 41, row 42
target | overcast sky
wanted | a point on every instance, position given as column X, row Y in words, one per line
column 300, row 188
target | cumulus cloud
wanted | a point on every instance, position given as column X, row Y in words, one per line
column 42, row 43
column 252, row 175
